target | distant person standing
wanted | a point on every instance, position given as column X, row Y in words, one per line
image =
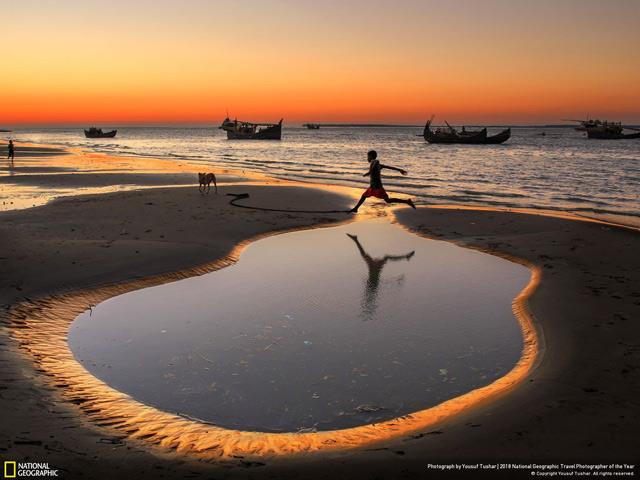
column 376, row 189
column 10, row 148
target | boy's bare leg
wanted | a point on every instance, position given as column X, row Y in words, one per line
column 400, row 200
column 360, row 202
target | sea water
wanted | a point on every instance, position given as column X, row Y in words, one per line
column 560, row 170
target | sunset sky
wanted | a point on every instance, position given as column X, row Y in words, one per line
column 498, row 61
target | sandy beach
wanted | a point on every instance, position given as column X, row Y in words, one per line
column 320, row 240
column 578, row 404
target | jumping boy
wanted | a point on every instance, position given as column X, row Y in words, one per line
column 375, row 186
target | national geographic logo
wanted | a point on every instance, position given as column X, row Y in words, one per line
column 9, row 469
column 13, row 469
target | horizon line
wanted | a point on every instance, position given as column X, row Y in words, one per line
column 10, row 128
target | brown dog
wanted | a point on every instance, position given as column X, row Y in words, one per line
column 205, row 180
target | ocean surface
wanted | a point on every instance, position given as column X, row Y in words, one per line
column 561, row 170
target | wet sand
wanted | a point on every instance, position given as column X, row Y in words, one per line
column 42, row 173
column 579, row 404
column 31, row 150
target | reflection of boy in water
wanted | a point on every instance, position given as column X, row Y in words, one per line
column 375, row 266
column 376, row 189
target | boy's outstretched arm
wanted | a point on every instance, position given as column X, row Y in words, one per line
column 402, row 171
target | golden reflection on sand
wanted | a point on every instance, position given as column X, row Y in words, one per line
column 41, row 328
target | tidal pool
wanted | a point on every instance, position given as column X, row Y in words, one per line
column 320, row 329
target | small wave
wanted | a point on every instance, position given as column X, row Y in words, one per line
column 334, row 172
column 284, row 162
column 605, row 211
column 492, row 194
column 419, row 186
column 575, row 199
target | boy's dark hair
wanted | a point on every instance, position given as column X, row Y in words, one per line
column 372, row 153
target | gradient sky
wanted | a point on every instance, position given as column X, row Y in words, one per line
column 493, row 61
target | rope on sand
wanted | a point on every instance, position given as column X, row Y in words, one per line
column 240, row 196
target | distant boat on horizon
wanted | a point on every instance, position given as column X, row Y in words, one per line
column 451, row 135
column 312, row 126
column 239, row 130
column 94, row 132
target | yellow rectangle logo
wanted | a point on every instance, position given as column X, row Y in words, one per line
column 9, row 469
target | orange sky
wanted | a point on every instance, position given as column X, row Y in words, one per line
column 189, row 61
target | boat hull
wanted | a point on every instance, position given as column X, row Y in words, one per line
column 478, row 138
column 110, row 134
column 498, row 137
column 600, row 135
column 270, row 133
column 266, row 132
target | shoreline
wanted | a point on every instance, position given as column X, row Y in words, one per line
column 136, row 162
column 458, row 218
column 47, row 173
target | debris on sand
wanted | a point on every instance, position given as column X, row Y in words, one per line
column 369, row 408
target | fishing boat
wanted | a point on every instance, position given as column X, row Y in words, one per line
column 94, row 132
column 449, row 134
column 611, row 131
column 312, row 126
column 238, row 130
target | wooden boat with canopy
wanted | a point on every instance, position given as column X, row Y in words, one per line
column 238, row 130
column 611, row 131
column 94, row 132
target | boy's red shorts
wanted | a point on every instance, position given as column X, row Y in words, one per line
column 375, row 192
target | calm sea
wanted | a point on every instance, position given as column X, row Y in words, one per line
column 560, row 170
